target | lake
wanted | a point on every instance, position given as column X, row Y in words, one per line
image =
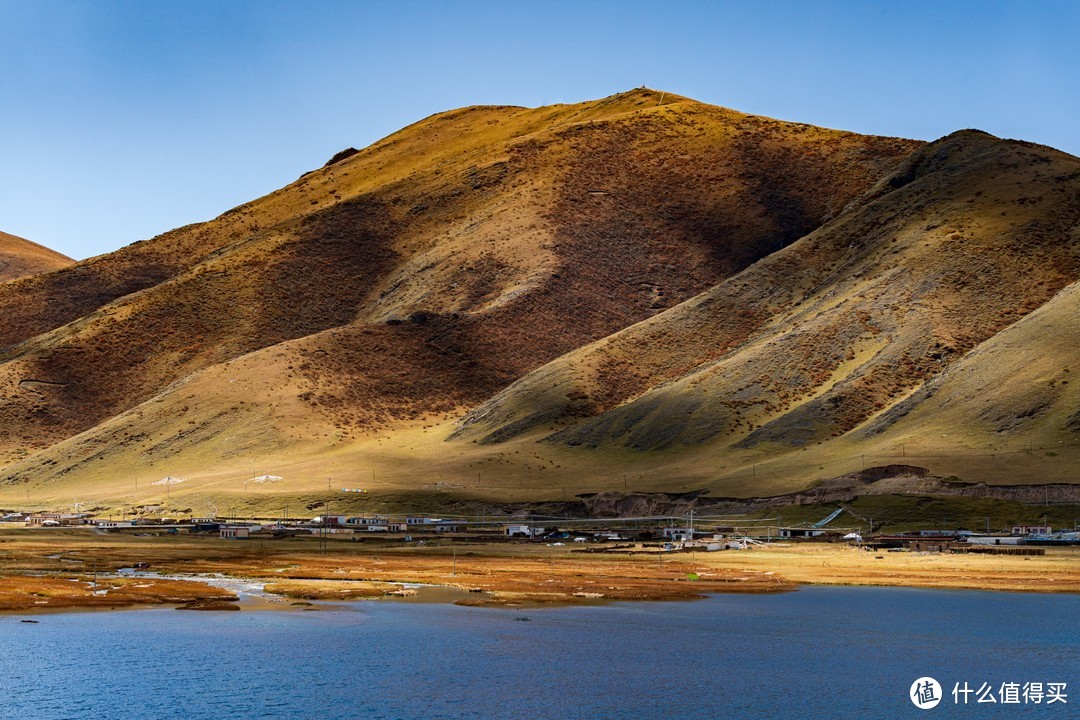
column 819, row 652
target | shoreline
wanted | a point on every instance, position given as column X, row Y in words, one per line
column 447, row 594
column 37, row 573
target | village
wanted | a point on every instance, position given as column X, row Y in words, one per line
column 614, row 534
column 74, row 559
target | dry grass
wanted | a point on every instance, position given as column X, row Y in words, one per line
column 403, row 284
column 666, row 297
column 22, row 593
column 817, row 563
column 499, row 573
column 295, row 568
column 20, row 258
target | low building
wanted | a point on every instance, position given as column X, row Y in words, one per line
column 933, row 545
column 234, row 532
column 363, row 521
column 330, row 520
column 445, row 526
column 522, row 530
column 678, row 534
column 46, row 519
column 1031, row 530
column 994, row 540
column 795, row 532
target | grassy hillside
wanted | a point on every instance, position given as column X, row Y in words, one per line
column 426, row 272
column 642, row 292
column 19, row 258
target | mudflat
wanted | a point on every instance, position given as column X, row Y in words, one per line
column 42, row 569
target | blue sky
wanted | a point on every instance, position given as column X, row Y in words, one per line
column 120, row 120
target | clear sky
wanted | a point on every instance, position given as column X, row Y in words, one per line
column 121, row 119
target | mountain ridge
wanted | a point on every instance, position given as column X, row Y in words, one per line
column 553, row 294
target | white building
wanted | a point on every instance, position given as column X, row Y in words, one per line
column 364, row 521
column 994, row 540
column 330, row 519
column 1031, row 530
column 529, row 531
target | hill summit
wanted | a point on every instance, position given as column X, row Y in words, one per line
column 20, row 257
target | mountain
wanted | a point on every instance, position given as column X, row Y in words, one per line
column 860, row 318
column 525, row 303
column 19, row 258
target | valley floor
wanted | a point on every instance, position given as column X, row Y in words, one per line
column 42, row 570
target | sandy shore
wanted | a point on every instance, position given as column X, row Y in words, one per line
column 43, row 569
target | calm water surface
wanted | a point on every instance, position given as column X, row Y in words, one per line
column 817, row 653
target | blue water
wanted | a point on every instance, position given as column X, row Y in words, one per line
column 817, row 653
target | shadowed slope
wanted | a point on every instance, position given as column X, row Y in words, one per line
column 1018, row 384
column 970, row 235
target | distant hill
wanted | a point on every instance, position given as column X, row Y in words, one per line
column 19, row 258
column 524, row 303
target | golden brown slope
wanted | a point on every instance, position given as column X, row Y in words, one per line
column 20, row 257
column 1013, row 403
column 970, row 235
column 430, row 270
